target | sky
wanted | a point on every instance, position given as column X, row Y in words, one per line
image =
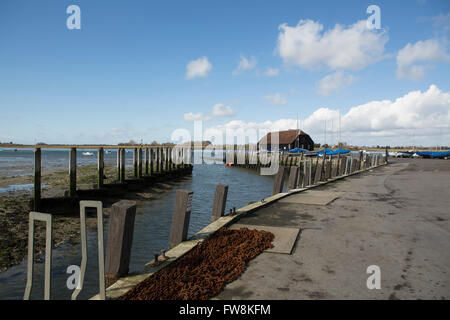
column 147, row 70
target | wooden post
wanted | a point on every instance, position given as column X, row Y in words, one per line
column 146, row 154
column 151, row 161
column 181, row 216
column 328, row 168
column 135, row 162
column 122, row 166
column 220, row 201
column 139, row 163
column 342, row 165
column 335, row 168
column 100, row 165
column 37, row 179
column 72, row 172
column 306, row 169
column 293, row 177
column 120, row 240
column 387, row 156
column 360, row 160
column 118, row 163
column 279, row 181
column 157, row 161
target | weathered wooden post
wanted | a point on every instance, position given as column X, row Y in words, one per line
column 100, row 166
column 220, row 200
column 181, row 217
column 122, row 166
column 342, row 165
column 293, row 177
column 360, row 158
column 146, row 154
column 37, row 179
column 328, row 168
column 157, row 158
column 135, row 162
column 139, row 163
column 387, row 156
column 335, row 168
column 151, row 161
column 72, row 172
column 120, row 240
column 279, row 181
column 118, row 163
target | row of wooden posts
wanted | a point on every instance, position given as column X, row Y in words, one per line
column 146, row 162
column 303, row 172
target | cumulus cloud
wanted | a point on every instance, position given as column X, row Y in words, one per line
column 245, row 64
column 414, row 59
column 271, row 72
column 198, row 68
column 333, row 83
column 341, row 48
column 426, row 113
column 219, row 110
column 276, row 99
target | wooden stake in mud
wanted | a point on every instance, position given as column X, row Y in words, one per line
column 37, row 179
column 146, row 153
column 220, row 200
column 139, row 163
column 100, row 165
column 72, row 172
column 122, row 166
column 135, row 162
column 181, row 217
column 151, row 161
column 120, row 240
column 118, row 163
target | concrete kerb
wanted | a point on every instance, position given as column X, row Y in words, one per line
column 123, row 285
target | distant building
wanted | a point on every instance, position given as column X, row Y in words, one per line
column 287, row 140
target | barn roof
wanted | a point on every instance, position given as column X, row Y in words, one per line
column 285, row 137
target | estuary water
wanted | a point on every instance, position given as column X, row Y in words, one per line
column 152, row 223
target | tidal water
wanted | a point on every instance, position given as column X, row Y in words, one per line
column 152, row 224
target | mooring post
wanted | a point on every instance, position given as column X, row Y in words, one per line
column 118, row 163
column 387, row 156
column 151, row 161
column 37, row 179
column 122, row 166
column 135, row 162
column 157, row 168
column 220, row 200
column 181, row 217
column 293, row 177
column 72, row 172
column 146, row 153
column 120, row 240
column 279, row 181
column 360, row 160
column 100, row 166
column 139, row 163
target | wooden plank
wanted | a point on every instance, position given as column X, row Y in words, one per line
column 279, row 181
column 220, row 200
column 120, row 240
column 293, row 177
column 181, row 217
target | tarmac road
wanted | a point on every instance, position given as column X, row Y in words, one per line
column 396, row 217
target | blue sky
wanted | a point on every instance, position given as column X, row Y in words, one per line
column 124, row 74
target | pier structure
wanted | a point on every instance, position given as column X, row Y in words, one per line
column 150, row 163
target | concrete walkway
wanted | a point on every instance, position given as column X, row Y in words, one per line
column 396, row 217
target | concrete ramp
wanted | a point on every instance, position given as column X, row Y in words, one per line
column 314, row 197
column 284, row 239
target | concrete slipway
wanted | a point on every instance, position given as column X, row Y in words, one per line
column 396, row 217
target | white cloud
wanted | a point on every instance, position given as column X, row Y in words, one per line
column 245, row 64
column 276, row 99
column 219, row 110
column 196, row 117
column 425, row 114
column 341, row 48
column 334, row 82
column 198, row 68
column 271, row 72
column 414, row 59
